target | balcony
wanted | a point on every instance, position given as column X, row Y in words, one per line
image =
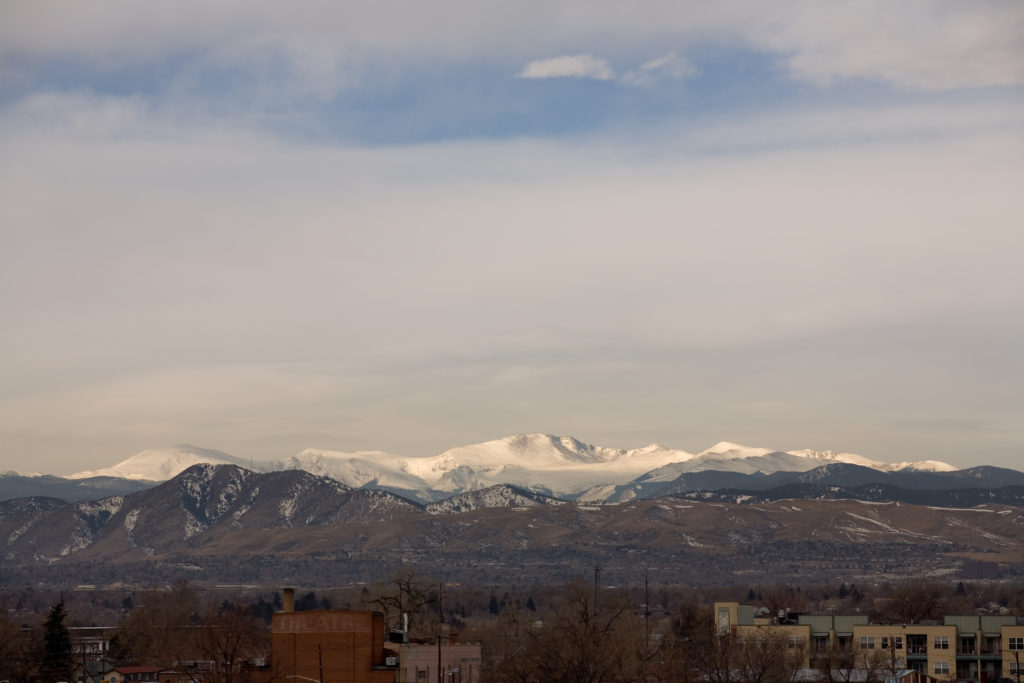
column 985, row 655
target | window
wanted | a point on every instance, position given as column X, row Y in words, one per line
column 941, row 643
column 942, row 668
column 795, row 642
column 897, row 642
column 867, row 642
column 1013, row 668
column 1017, row 643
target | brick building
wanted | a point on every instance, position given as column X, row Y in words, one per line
column 331, row 646
column 342, row 646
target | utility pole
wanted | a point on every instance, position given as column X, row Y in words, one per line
column 647, row 624
column 440, row 620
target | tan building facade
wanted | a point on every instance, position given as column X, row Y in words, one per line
column 961, row 648
column 418, row 663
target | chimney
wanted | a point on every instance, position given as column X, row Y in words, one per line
column 288, row 600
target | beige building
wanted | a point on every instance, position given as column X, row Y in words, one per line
column 961, row 648
column 459, row 662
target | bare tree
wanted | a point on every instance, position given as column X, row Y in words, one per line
column 764, row 656
column 581, row 640
column 913, row 602
column 10, row 648
column 408, row 593
column 228, row 637
column 159, row 629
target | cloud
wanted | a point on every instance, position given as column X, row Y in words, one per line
column 913, row 44
column 762, row 248
column 668, row 66
column 172, row 252
column 569, row 66
column 917, row 45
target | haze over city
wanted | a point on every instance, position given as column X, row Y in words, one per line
column 263, row 227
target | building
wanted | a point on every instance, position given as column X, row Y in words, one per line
column 343, row 646
column 90, row 643
column 960, row 648
column 419, row 662
column 133, row 674
column 331, row 646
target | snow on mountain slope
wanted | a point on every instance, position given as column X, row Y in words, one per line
column 733, row 451
column 559, row 465
column 553, row 465
column 161, row 464
column 921, row 466
column 354, row 469
column 731, row 457
column 499, row 496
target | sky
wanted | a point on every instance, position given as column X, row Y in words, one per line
column 261, row 227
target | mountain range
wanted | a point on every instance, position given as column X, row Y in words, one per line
column 559, row 467
column 523, row 508
column 223, row 523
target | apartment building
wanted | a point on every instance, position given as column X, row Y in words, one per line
column 960, row 648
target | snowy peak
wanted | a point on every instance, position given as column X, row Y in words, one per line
column 540, row 462
column 543, row 451
column 362, row 468
column 733, row 457
column 733, row 450
column 560, row 466
column 161, row 464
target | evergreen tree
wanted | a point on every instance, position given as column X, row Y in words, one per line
column 57, row 643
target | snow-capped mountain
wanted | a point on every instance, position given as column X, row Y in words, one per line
column 731, row 457
column 558, row 466
column 355, row 469
column 540, row 462
column 161, row 464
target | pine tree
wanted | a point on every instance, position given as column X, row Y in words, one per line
column 57, row 642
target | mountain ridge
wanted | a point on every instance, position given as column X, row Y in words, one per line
column 225, row 523
column 558, row 466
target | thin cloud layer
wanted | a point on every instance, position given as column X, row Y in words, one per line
column 262, row 228
column 668, row 66
column 916, row 44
